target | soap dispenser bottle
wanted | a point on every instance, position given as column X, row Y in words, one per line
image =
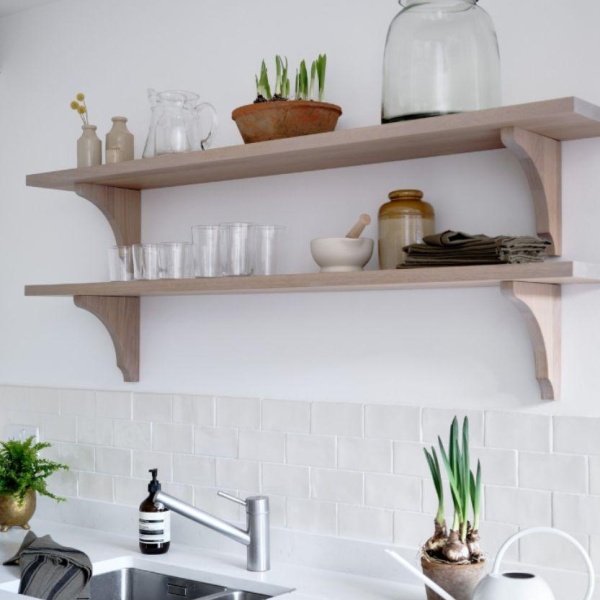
column 155, row 521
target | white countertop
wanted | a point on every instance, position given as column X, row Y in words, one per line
column 110, row 551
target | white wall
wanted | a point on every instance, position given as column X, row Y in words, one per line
column 457, row 348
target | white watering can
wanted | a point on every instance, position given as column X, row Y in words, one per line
column 512, row 585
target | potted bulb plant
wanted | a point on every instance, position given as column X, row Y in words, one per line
column 453, row 559
column 275, row 115
column 22, row 474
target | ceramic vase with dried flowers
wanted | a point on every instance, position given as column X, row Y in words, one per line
column 89, row 146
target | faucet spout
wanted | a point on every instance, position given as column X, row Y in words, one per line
column 256, row 537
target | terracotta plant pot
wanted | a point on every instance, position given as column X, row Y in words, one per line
column 459, row 581
column 283, row 119
column 14, row 513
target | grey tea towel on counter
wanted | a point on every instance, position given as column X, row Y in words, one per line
column 52, row 571
column 455, row 248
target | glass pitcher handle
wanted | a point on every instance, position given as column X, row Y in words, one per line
column 205, row 142
column 520, row 534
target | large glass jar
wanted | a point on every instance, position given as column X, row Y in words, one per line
column 404, row 220
column 441, row 56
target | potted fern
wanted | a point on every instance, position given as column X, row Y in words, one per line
column 22, row 474
column 275, row 115
column 453, row 559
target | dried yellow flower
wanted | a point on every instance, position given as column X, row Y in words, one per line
column 81, row 110
column 75, row 105
column 80, row 97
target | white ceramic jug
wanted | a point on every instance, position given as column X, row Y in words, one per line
column 511, row 585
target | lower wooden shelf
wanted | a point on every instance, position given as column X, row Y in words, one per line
column 534, row 288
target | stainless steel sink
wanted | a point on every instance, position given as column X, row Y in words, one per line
column 138, row 584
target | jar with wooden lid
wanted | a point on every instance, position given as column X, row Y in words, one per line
column 404, row 220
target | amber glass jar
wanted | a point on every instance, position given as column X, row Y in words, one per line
column 404, row 220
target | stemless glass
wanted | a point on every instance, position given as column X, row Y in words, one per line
column 145, row 261
column 441, row 56
column 120, row 265
column 236, row 242
column 267, row 249
column 175, row 260
column 206, row 250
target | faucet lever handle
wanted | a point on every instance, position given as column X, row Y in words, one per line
column 232, row 498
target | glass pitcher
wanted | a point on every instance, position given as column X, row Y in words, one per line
column 441, row 56
column 179, row 123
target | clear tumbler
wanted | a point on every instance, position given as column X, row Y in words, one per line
column 236, row 242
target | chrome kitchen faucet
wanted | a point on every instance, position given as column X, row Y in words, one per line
column 256, row 537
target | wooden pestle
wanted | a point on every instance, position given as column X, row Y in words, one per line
column 358, row 227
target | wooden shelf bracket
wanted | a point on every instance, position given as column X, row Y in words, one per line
column 122, row 208
column 539, row 303
column 540, row 158
column 121, row 317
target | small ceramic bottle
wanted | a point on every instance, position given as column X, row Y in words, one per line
column 404, row 220
column 89, row 147
column 119, row 142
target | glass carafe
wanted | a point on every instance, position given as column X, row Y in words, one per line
column 441, row 56
column 179, row 123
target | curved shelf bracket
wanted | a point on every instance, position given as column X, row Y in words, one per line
column 539, row 303
column 540, row 158
column 121, row 317
column 121, row 207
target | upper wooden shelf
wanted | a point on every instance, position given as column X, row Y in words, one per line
column 560, row 119
column 550, row 272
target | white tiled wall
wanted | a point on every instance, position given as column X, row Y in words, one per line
column 345, row 470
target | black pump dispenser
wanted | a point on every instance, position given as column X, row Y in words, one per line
column 155, row 521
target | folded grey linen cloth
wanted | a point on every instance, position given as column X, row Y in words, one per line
column 454, row 248
column 52, row 571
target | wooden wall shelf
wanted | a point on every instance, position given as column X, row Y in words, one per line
column 533, row 132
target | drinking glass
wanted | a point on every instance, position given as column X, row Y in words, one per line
column 175, row 260
column 267, row 249
column 145, row 261
column 236, row 242
column 206, row 250
column 120, row 265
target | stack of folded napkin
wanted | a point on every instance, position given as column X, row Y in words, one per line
column 52, row 571
column 454, row 248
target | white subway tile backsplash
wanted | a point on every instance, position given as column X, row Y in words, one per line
column 493, row 535
column 518, row 431
column 157, row 408
column 64, row 483
column 554, row 472
column 78, row 402
column 238, row 412
column 393, row 422
column 96, row 486
column 526, row 508
column 312, row 515
column 43, row 400
column 78, row 456
column 412, row 529
column 193, row 470
column 332, row 418
column 216, row 441
column 577, row 435
column 132, row 434
column 144, row 460
column 337, row 486
column 409, row 459
column 173, row 437
column 194, row 410
column 286, row 480
column 207, row 499
column 92, row 430
column 182, row 491
column 287, row 416
column 553, row 551
column 238, row 474
column 498, row 467
column 113, row 461
column 59, row 428
column 130, row 492
column 266, row 446
column 437, row 422
column 594, row 475
column 311, row 450
column 393, row 491
column 362, row 454
column 364, row 523
column 576, row 513
column 113, row 405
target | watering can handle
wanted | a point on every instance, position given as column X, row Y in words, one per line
column 520, row 534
